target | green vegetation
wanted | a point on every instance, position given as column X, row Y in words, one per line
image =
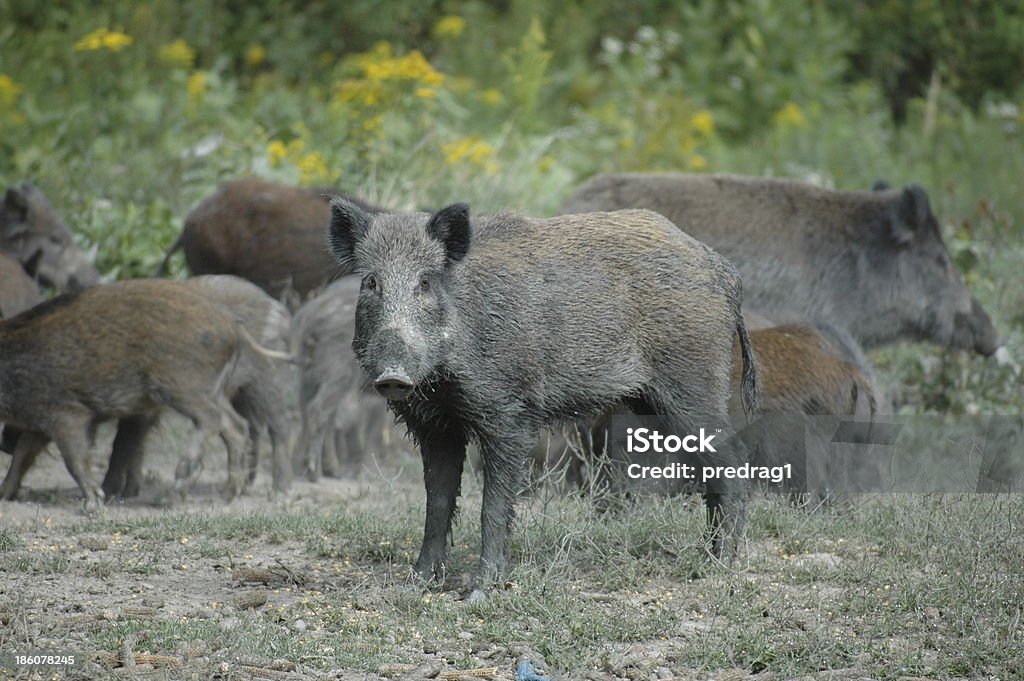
column 128, row 114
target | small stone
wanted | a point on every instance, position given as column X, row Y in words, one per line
column 299, row 625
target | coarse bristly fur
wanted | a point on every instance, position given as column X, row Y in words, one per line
column 266, row 232
column 872, row 263
column 124, row 351
column 502, row 325
column 259, row 396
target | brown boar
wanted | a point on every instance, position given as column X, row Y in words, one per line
column 262, row 402
column 269, row 233
column 129, row 349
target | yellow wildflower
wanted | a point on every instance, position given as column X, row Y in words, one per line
column 789, row 116
column 412, row 66
column 703, row 122
column 178, row 53
column 276, row 152
column 471, row 149
column 698, row 162
column 492, row 96
column 103, row 39
column 426, row 92
column 312, row 168
column 9, row 90
column 196, row 86
column 255, row 55
column 449, row 27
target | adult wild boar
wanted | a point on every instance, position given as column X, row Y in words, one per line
column 492, row 330
column 32, row 233
column 271, row 234
column 342, row 420
column 871, row 263
column 122, row 350
column 262, row 400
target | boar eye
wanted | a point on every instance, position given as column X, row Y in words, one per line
column 424, row 284
column 371, row 282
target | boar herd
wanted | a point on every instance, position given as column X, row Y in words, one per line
column 711, row 302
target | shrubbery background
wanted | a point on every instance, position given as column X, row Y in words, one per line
column 126, row 113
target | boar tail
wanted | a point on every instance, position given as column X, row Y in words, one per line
column 266, row 352
column 750, row 383
column 161, row 271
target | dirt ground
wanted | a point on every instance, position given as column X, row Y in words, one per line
column 314, row 585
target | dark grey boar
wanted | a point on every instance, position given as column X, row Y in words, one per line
column 32, row 233
column 123, row 350
column 262, row 401
column 342, row 419
column 872, row 263
column 492, row 330
column 269, row 233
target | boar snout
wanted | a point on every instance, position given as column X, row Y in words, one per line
column 83, row 277
column 975, row 330
column 394, row 384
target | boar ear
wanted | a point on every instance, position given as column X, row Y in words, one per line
column 450, row 226
column 880, row 185
column 16, row 202
column 910, row 214
column 31, row 266
column 347, row 228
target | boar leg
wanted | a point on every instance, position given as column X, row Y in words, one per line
column 725, row 498
column 503, row 465
column 310, row 440
column 71, row 434
column 233, row 431
column 212, row 419
column 9, row 439
column 29, row 445
column 443, row 456
column 329, row 453
column 124, row 473
column 242, row 404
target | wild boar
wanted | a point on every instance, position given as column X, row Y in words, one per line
column 32, row 233
column 262, row 401
column 872, row 263
column 18, row 292
column 492, row 330
column 809, row 381
column 129, row 349
column 269, row 233
column 342, row 420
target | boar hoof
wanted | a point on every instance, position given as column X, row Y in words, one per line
column 93, row 504
column 476, row 596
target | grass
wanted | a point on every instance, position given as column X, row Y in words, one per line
column 904, row 585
